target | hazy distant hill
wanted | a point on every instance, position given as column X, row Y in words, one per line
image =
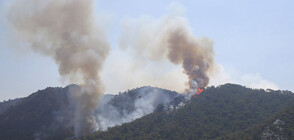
column 225, row 112
column 7, row 104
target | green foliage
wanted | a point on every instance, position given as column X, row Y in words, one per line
column 221, row 113
column 218, row 113
column 31, row 114
column 255, row 131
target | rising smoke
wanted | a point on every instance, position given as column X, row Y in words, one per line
column 115, row 110
column 66, row 31
column 170, row 37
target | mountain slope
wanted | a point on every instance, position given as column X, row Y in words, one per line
column 224, row 112
column 48, row 113
column 217, row 112
column 5, row 105
column 31, row 114
column 279, row 126
column 127, row 106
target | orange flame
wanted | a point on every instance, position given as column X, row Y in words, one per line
column 199, row 90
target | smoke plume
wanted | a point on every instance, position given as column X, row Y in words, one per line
column 171, row 38
column 115, row 110
column 66, row 31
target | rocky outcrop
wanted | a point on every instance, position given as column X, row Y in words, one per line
column 274, row 131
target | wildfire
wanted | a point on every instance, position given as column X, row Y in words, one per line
column 199, row 90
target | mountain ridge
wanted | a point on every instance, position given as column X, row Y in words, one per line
column 231, row 109
column 47, row 114
column 214, row 114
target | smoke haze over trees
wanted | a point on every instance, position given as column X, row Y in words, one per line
column 71, row 33
column 144, row 113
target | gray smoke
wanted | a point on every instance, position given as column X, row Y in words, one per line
column 66, row 31
column 170, row 37
column 115, row 110
column 112, row 110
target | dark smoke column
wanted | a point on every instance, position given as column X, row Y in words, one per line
column 195, row 56
column 170, row 37
column 66, row 31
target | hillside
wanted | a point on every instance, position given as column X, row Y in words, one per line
column 279, row 126
column 217, row 113
column 5, row 105
column 32, row 114
column 224, row 112
column 127, row 106
column 48, row 113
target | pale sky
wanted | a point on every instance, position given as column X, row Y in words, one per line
column 253, row 46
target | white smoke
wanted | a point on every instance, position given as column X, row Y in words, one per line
column 66, row 31
column 232, row 75
column 146, row 101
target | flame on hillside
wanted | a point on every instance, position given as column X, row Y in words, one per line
column 199, row 90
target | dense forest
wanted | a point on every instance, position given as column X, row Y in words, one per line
column 48, row 114
column 33, row 114
column 5, row 105
column 224, row 112
column 279, row 126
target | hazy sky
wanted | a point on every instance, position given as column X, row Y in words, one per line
column 253, row 46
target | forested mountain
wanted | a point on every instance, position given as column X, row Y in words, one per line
column 278, row 127
column 5, row 105
column 33, row 113
column 224, row 112
column 48, row 114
